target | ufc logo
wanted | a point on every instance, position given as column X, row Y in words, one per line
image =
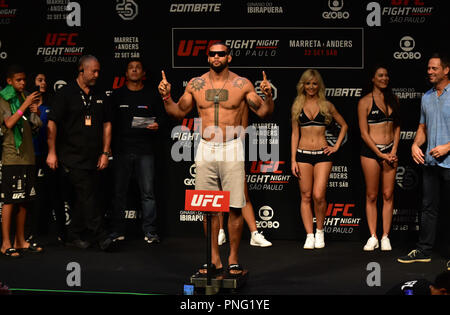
column 57, row 39
column 207, row 200
column 266, row 167
column 333, row 209
column 192, row 124
column 118, row 82
column 18, row 195
column 406, row 2
column 193, row 47
column 203, row 200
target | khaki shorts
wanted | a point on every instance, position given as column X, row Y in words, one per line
column 220, row 166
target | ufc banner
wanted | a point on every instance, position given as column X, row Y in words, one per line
column 342, row 39
column 207, row 200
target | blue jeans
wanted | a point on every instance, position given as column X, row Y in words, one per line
column 436, row 182
column 143, row 167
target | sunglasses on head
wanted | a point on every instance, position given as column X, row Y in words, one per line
column 219, row 53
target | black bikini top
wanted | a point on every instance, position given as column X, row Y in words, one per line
column 377, row 116
column 304, row 121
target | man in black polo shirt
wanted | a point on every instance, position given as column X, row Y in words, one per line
column 79, row 137
column 137, row 116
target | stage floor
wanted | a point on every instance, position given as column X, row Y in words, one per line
column 283, row 269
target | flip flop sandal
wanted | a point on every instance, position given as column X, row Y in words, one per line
column 33, row 248
column 235, row 267
column 10, row 253
column 214, row 271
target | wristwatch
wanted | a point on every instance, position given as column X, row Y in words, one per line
column 108, row 154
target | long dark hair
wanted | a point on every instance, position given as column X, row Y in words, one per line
column 46, row 97
column 390, row 99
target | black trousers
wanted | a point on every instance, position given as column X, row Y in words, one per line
column 436, row 183
column 50, row 196
column 86, row 210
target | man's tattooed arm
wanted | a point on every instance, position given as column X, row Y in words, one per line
column 252, row 104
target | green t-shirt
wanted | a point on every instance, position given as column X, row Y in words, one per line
column 25, row 154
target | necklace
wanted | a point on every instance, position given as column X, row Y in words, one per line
column 216, row 99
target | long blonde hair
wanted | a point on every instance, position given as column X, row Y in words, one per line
column 299, row 100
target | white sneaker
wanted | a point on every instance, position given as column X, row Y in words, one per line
column 257, row 239
column 385, row 243
column 309, row 243
column 222, row 237
column 319, row 241
column 371, row 244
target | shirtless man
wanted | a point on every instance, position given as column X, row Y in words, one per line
column 221, row 97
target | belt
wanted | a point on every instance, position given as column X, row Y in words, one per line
column 384, row 146
column 311, row 152
column 219, row 144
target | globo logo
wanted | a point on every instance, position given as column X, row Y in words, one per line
column 335, row 6
column 407, row 45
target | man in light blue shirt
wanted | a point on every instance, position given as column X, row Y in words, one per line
column 434, row 128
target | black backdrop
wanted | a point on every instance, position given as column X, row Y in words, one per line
column 339, row 38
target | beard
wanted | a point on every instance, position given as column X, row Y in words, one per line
column 219, row 68
column 91, row 82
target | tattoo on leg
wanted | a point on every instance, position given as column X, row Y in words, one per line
column 198, row 83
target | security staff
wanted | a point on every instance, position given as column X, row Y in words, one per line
column 79, row 137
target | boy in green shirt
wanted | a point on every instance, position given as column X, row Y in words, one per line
column 18, row 117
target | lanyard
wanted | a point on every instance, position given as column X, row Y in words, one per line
column 87, row 105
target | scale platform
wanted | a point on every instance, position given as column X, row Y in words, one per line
column 220, row 281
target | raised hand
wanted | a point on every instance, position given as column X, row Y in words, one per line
column 164, row 86
column 265, row 86
column 32, row 99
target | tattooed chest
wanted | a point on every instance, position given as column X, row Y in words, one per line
column 229, row 96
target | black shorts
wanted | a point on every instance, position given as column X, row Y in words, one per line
column 312, row 156
column 18, row 183
column 367, row 152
